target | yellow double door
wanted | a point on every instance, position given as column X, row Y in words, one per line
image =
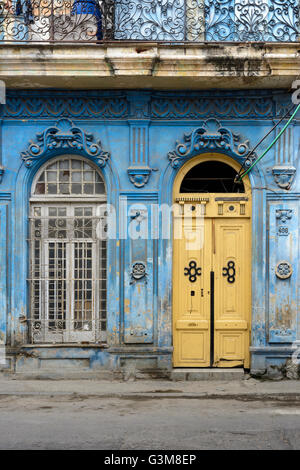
column 212, row 282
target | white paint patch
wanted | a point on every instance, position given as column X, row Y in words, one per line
column 2, row 355
column 288, row 411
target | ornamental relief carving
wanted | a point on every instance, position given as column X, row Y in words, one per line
column 68, row 105
column 283, row 216
column 211, row 137
column 2, row 170
column 284, row 270
column 284, row 176
column 139, row 176
column 138, row 272
column 64, row 136
column 155, row 106
column 199, row 107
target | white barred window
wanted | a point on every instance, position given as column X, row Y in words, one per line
column 67, row 257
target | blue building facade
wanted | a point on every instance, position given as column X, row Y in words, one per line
column 136, row 141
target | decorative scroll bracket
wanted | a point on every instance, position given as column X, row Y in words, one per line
column 211, row 137
column 284, row 215
column 64, row 136
column 284, row 176
column 139, row 176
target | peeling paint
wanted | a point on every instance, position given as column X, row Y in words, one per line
column 140, row 313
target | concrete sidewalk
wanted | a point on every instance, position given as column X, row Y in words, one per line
column 246, row 389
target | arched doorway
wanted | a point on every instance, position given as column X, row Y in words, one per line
column 211, row 264
column 67, row 253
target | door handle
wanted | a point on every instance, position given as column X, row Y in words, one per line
column 193, row 271
column 229, row 272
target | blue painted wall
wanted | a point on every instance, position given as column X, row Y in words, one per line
column 139, row 130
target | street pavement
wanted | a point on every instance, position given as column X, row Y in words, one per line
column 150, row 415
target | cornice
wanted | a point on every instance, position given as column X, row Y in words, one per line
column 135, row 65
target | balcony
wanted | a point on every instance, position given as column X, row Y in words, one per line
column 159, row 21
column 163, row 44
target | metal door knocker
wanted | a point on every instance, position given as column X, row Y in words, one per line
column 192, row 271
column 229, row 271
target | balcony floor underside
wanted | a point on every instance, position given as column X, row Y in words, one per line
column 153, row 66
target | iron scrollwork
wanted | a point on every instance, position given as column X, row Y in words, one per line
column 230, row 272
column 251, row 20
column 57, row 21
column 148, row 20
column 192, row 271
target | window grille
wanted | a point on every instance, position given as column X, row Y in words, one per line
column 70, row 177
column 68, row 255
column 211, row 177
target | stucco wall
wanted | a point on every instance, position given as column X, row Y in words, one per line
column 140, row 320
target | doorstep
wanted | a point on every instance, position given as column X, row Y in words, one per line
column 195, row 374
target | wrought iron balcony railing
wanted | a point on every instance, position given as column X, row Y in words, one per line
column 149, row 20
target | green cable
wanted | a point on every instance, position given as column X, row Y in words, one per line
column 274, row 142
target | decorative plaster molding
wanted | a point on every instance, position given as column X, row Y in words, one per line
column 138, row 271
column 157, row 106
column 282, row 104
column 139, row 176
column 66, row 105
column 1, row 173
column 284, row 270
column 139, row 170
column 139, row 104
column 284, row 176
column 65, row 136
column 200, row 107
column 283, row 216
column 283, row 331
column 211, row 137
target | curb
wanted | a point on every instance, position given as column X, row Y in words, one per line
column 286, row 397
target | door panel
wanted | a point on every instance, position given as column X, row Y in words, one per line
column 193, row 347
column 232, row 290
column 191, row 297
